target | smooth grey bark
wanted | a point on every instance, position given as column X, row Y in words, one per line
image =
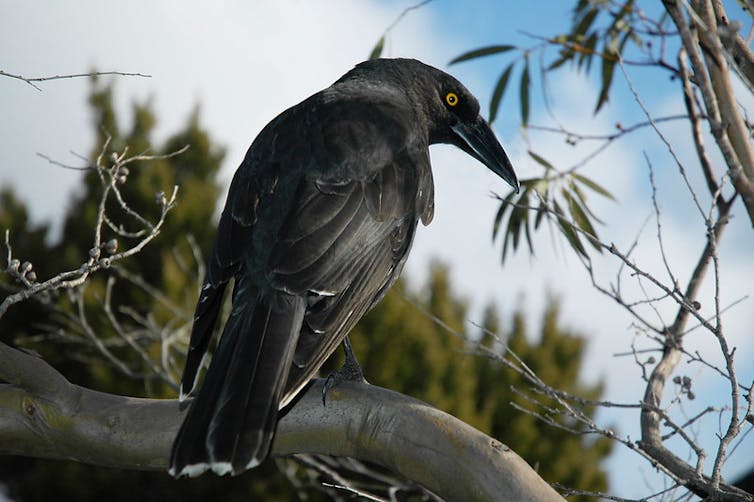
column 44, row 415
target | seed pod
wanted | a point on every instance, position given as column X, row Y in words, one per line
column 122, row 174
column 111, row 246
column 160, row 198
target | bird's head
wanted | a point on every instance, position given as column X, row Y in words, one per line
column 454, row 117
column 444, row 107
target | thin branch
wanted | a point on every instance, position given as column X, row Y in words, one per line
column 658, row 223
column 31, row 80
column 403, row 14
column 64, row 166
column 620, row 132
column 662, row 137
column 109, row 177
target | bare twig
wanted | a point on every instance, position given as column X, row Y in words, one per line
column 31, row 80
column 110, row 177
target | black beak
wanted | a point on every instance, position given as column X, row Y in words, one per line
column 478, row 140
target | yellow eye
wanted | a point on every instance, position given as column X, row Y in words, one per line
column 451, row 98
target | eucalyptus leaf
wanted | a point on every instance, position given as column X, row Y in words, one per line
column 524, row 89
column 484, row 51
column 497, row 94
column 377, row 51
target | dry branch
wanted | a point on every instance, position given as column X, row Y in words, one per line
column 32, row 80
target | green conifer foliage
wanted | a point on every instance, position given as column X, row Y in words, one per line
column 555, row 356
column 29, row 243
column 411, row 342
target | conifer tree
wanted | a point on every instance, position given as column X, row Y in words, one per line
column 412, row 342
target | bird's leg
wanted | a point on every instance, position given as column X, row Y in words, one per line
column 350, row 371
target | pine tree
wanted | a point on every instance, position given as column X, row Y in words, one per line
column 411, row 342
column 29, row 243
column 570, row 459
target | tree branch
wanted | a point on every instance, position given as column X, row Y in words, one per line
column 711, row 76
column 31, row 80
column 44, row 415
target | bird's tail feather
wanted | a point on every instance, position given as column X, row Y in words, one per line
column 230, row 424
column 207, row 310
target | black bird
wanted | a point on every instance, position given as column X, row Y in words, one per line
column 318, row 223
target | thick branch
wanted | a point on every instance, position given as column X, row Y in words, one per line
column 719, row 72
column 711, row 75
column 449, row 457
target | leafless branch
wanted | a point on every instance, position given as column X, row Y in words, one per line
column 32, row 80
column 711, row 76
column 102, row 254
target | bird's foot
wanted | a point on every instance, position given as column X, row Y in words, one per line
column 350, row 371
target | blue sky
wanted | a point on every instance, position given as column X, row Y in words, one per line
column 280, row 52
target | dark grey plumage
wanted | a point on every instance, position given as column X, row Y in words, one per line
column 318, row 223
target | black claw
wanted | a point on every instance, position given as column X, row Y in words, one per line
column 329, row 383
column 350, row 371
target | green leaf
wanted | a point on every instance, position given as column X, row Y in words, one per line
column 619, row 23
column 566, row 55
column 581, row 220
column 540, row 160
column 504, row 205
column 497, row 94
column 519, row 214
column 484, row 51
column 609, row 59
column 587, row 55
column 525, row 94
column 611, row 55
column 514, row 225
column 593, row 185
column 541, row 211
column 568, row 232
column 506, row 242
column 513, row 229
column 524, row 201
column 586, row 21
column 583, row 4
column 582, row 198
column 377, row 51
column 498, row 218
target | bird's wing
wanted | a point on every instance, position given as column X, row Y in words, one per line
column 343, row 245
column 326, row 212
